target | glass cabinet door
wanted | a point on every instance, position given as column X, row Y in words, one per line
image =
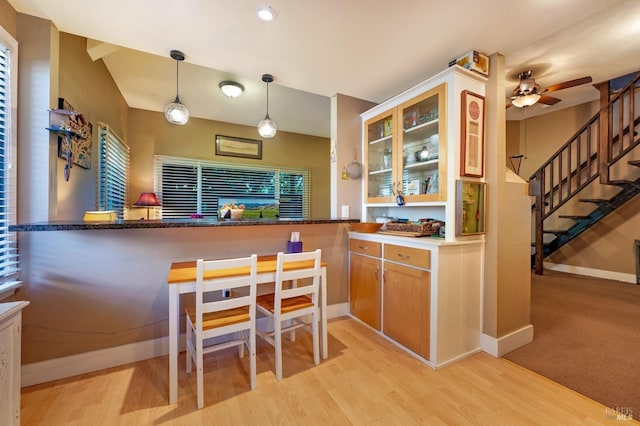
column 422, row 146
column 379, row 134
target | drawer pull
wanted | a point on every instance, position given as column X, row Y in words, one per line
column 363, row 247
column 404, row 256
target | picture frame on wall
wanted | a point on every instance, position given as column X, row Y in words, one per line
column 230, row 146
column 472, row 135
column 471, row 207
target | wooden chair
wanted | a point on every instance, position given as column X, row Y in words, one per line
column 214, row 316
column 291, row 304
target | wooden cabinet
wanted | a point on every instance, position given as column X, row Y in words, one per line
column 405, row 150
column 10, row 332
column 407, row 304
column 365, row 275
column 423, row 293
column 411, row 146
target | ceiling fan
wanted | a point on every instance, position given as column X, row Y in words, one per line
column 529, row 93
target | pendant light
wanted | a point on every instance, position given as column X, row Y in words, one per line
column 176, row 112
column 267, row 127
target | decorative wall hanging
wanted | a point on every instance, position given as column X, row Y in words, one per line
column 238, row 147
column 472, row 135
column 80, row 144
column 471, row 204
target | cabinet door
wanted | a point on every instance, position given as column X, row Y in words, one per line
column 422, row 142
column 364, row 289
column 407, row 294
column 380, row 180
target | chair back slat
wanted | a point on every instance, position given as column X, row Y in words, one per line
column 288, row 260
column 212, row 276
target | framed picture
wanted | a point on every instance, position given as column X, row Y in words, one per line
column 471, row 202
column 472, row 135
column 238, row 147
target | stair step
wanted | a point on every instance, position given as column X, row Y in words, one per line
column 619, row 182
column 556, row 231
column 594, row 200
column 634, row 163
column 574, row 217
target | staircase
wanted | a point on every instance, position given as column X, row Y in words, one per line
column 585, row 180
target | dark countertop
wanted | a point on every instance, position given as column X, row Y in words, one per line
column 166, row 223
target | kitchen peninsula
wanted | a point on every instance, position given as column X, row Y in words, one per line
column 99, row 294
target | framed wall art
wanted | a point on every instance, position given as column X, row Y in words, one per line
column 238, row 147
column 471, row 202
column 472, row 135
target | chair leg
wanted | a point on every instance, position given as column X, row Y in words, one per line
column 188, row 346
column 316, row 337
column 252, row 357
column 241, row 347
column 199, row 370
column 277, row 337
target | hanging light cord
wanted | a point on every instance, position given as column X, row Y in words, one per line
column 267, row 100
column 177, row 74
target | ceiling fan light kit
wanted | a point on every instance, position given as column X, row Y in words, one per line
column 528, row 92
column 176, row 112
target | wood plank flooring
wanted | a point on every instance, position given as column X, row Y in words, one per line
column 367, row 380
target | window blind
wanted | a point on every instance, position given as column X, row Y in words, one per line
column 186, row 186
column 9, row 262
column 113, row 176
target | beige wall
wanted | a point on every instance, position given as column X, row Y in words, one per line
column 8, row 18
column 89, row 88
column 346, row 135
column 150, row 134
column 606, row 246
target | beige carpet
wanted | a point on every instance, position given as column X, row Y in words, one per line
column 586, row 337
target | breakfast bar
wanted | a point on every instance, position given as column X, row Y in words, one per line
column 99, row 293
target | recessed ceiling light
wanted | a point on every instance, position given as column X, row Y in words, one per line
column 266, row 13
column 231, row 88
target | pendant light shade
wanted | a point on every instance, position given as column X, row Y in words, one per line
column 267, row 128
column 176, row 112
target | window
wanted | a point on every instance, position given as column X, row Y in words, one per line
column 9, row 264
column 188, row 186
column 113, row 175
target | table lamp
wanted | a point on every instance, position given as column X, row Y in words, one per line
column 147, row 199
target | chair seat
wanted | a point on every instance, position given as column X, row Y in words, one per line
column 288, row 305
column 220, row 318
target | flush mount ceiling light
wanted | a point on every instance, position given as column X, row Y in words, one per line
column 231, row 88
column 266, row 13
column 267, row 127
column 176, row 112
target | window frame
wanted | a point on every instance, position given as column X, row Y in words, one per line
column 200, row 202
column 9, row 258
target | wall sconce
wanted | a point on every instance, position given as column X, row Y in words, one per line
column 147, row 199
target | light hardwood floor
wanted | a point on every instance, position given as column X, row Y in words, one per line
column 366, row 380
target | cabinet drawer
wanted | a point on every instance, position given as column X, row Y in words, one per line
column 420, row 258
column 371, row 248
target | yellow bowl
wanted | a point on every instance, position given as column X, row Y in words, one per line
column 100, row 216
column 366, row 227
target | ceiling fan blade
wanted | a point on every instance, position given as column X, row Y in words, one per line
column 548, row 100
column 567, row 84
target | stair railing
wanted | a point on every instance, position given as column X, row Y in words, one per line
column 589, row 153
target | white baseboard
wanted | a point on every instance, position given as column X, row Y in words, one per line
column 505, row 344
column 60, row 368
column 589, row 272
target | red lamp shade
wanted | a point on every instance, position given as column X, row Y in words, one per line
column 147, row 199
